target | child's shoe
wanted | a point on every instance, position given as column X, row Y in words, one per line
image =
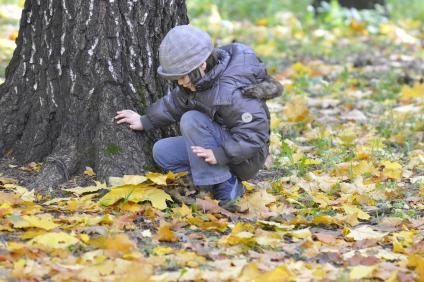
column 228, row 190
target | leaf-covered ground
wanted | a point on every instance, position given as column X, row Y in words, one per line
column 343, row 199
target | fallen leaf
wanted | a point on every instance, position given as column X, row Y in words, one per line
column 85, row 190
column 409, row 93
column 157, row 178
column 248, row 186
column 326, row 238
column 89, row 171
column 166, row 234
column 137, row 193
column 54, row 240
column 182, row 211
column 365, row 232
column 296, row 109
column 361, row 271
column 212, row 206
column 27, row 221
column 392, row 170
column 6, row 180
column 116, row 243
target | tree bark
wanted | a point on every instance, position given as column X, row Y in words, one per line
column 77, row 62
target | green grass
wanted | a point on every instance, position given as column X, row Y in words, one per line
column 255, row 9
column 401, row 9
column 251, row 10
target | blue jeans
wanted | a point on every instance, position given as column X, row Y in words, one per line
column 175, row 154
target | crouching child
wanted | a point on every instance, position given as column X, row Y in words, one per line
column 219, row 103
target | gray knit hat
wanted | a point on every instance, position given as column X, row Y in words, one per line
column 183, row 49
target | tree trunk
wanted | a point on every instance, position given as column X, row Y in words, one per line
column 357, row 4
column 77, row 62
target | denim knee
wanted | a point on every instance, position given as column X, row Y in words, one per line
column 159, row 152
column 192, row 120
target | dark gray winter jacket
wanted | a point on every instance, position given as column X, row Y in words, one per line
column 219, row 95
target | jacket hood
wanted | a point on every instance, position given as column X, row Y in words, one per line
column 237, row 66
column 212, row 76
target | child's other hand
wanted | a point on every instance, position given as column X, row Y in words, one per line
column 207, row 154
column 130, row 117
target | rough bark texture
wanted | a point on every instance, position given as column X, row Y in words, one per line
column 76, row 63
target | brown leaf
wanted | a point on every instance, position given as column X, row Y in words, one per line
column 212, row 206
column 165, row 233
column 6, row 180
column 367, row 243
column 116, row 243
column 326, row 238
column 361, row 260
column 123, row 220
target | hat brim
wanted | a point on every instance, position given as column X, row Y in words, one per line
column 170, row 76
column 175, row 76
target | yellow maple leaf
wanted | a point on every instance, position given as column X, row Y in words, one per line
column 157, row 178
column 182, row 211
column 87, row 189
column 54, row 240
column 248, row 186
column 296, row 109
column 301, row 233
column 402, row 240
column 361, row 271
column 262, row 22
column 301, row 69
column 162, row 250
column 126, row 179
column 279, row 274
column 364, row 167
column 84, row 237
column 34, row 221
column 409, row 93
column 134, row 179
column 30, row 234
column 251, row 272
column 207, row 225
column 166, row 234
column 353, row 213
column 417, row 261
column 271, row 225
column 397, row 247
column 321, row 199
column 392, row 170
column 89, row 171
column 117, row 243
column 137, row 193
column 241, row 234
column 256, row 202
column 365, row 232
column 421, row 193
column 28, row 196
column 188, row 258
column 313, row 161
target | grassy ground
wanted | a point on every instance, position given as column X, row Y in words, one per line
column 343, row 200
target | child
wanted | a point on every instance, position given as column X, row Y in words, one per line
column 225, row 131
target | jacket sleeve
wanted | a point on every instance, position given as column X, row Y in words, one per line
column 166, row 110
column 249, row 130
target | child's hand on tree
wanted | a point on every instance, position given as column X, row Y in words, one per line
column 207, row 154
column 130, row 117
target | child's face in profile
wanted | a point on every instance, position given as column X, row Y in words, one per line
column 186, row 82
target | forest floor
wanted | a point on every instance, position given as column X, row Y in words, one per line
column 342, row 201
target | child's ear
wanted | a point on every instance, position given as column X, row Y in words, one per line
column 203, row 66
